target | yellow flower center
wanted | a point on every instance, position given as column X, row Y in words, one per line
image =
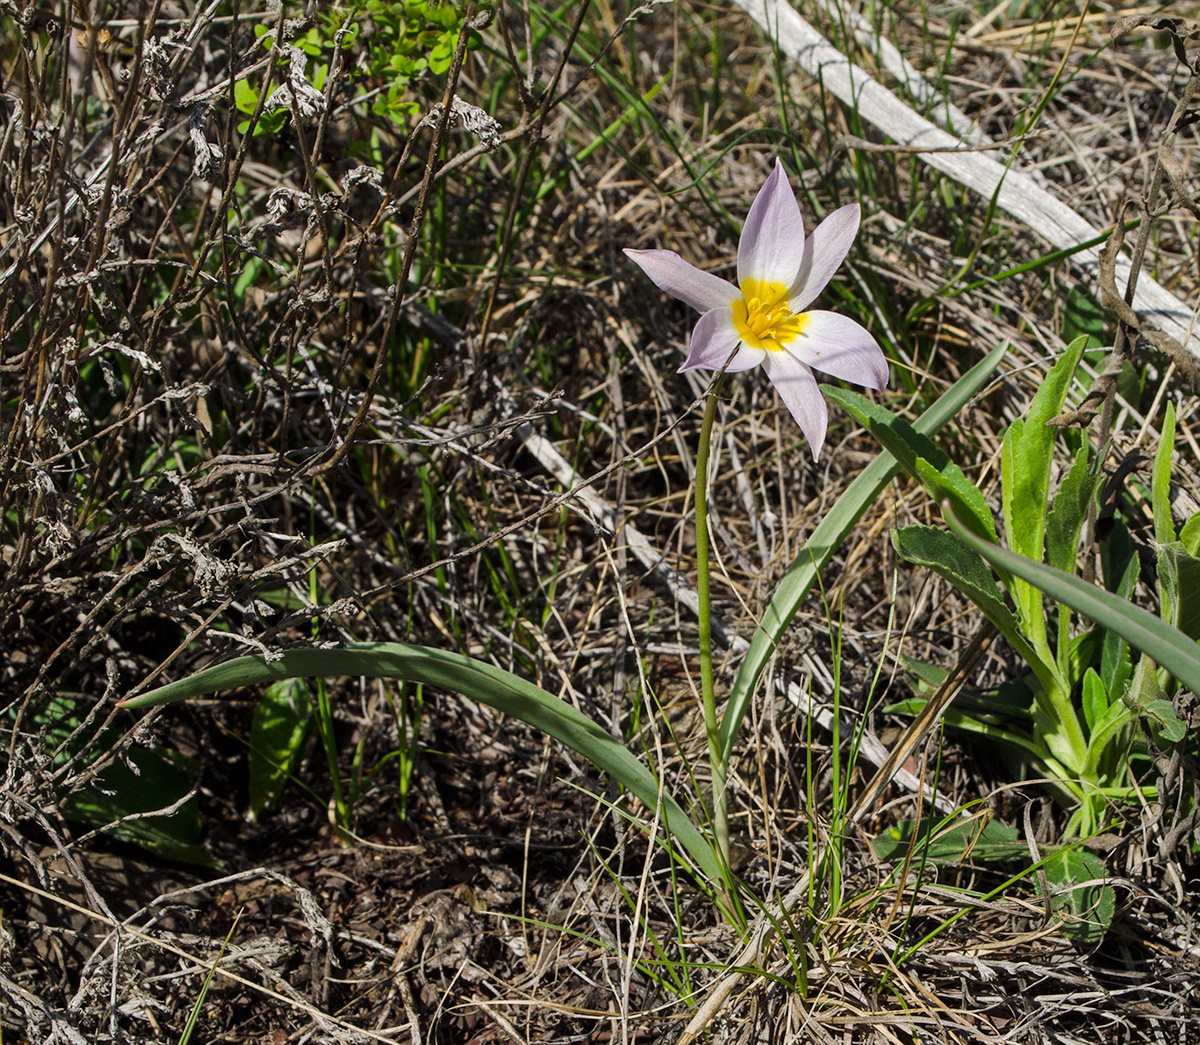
column 763, row 316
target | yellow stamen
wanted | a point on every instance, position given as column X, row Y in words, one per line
column 763, row 316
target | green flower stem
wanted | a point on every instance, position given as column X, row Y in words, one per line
column 707, row 691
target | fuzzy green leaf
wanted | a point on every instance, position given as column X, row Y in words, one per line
column 1088, row 909
column 1164, row 526
column 1179, row 581
column 278, row 731
column 1095, row 699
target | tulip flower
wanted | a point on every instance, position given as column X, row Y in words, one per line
column 765, row 319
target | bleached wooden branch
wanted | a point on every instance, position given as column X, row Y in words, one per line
column 1016, row 192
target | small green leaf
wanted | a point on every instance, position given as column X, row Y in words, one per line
column 941, row 843
column 1120, row 568
column 1088, row 909
column 1083, row 652
column 1169, row 725
column 1082, row 317
column 1164, row 526
column 278, row 733
column 1189, row 536
column 245, row 96
column 1108, row 738
column 1095, row 698
column 145, row 781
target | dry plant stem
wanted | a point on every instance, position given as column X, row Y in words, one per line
column 332, row 458
column 535, row 136
column 707, row 689
column 1124, row 332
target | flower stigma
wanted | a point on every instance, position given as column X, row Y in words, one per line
column 763, row 316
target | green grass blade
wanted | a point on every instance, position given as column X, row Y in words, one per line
column 194, row 1016
column 473, row 678
column 824, row 543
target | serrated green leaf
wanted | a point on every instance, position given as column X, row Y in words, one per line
column 950, row 557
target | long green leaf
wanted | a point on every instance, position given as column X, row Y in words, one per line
column 826, row 538
column 473, row 678
column 942, row 551
column 1025, row 483
column 1167, row 646
column 924, row 461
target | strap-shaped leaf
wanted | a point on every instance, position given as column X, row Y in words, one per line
column 1167, row 646
column 925, row 462
column 473, row 678
column 824, row 542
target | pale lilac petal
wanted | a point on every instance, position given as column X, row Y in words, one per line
column 824, row 252
column 702, row 290
column 798, row 389
column 837, row 345
column 772, row 243
column 714, row 339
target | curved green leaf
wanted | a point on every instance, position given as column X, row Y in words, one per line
column 943, row 552
column 824, row 542
column 473, row 678
column 922, row 459
column 1167, row 646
